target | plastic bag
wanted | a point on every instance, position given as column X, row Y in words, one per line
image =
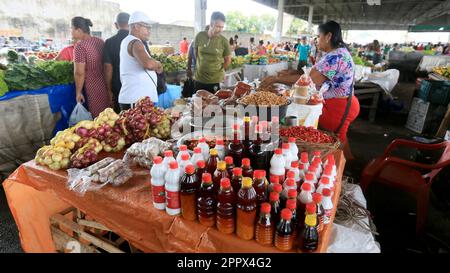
column 142, row 153
column 79, row 113
column 387, row 80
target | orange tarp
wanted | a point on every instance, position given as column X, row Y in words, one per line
column 34, row 193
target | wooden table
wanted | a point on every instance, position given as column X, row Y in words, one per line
column 369, row 91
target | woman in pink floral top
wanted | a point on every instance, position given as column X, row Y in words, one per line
column 336, row 71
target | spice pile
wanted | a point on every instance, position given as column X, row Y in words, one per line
column 307, row 134
column 264, row 98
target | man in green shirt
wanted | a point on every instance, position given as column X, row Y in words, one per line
column 212, row 54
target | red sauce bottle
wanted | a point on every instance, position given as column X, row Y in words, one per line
column 189, row 185
column 226, row 205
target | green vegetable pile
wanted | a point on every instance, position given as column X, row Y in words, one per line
column 60, row 71
column 360, row 61
column 3, row 86
column 172, row 63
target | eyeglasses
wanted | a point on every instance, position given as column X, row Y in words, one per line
column 146, row 26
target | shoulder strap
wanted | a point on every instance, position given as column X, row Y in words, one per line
column 347, row 110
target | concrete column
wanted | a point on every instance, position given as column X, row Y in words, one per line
column 310, row 18
column 325, row 18
column 200, row 16
column 279, row 27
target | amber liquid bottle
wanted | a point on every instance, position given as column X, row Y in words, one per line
column 201, row 169
column 246, row 210
column 259, row 184
column 230, row 166
column 264, row 228
column 236, row 181
column 247, row 139
column 257, row 154
column 219, row 174
column 235, row 148
column 206, row 202
column 284, row 235
column 211, row 166
column 275, row 212
column 226, row 207
column 309, row 240
column 188, row 194
column 247, row 170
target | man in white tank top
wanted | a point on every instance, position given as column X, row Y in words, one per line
column 137, row 69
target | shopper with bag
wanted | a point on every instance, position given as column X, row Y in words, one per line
column 89, row 80
column 138, row 70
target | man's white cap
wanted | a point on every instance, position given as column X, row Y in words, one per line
column 140, row 17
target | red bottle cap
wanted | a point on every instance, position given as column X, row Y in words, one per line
column 264, row 173
column 291, row 204
column 294, row 164
column 326, row 192
column 274, row 196
column 312, row 168
column 225, row 183
column 290, row 182
column 183, row 148
column 278, row 151
column 157, row 160
column 311, row 208
column 185, row 157
column 328, row 169
column 309, row 177
column 202, row 139
column 168, row 153
column 258, row 174
column 206, row 177
column 291, row 175
column 315, row 164
column 330, row 158
column 190, row 169
column 325, row 180
column 219, row 141
column 197, row 150
column 237, row 171
column 173, row 165
column 292, row 193
column 274, row 179
column 286, row 214
column 285, row 146
column 306, row 187
column 301, row 166
column 317, row 160
column 236, row 127
column 201, row 164
column 317, row 197
column 265, row 208
column 316, row 153
column 292, row 140
column 229, row 160
column 304, row 157
column 277, row 188
column 245, row 162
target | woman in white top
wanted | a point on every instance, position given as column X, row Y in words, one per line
column 137, row 69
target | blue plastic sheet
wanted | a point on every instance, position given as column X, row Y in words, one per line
column 61, row 98
column 173, row 93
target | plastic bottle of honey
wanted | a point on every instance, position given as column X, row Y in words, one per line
column 259, row 184
column 247, row 138
column 235, row 147
column 201, row 169
column 292, row 206
column 257, row 154
column 317, row 199
column 247, row 170
column 309, row 239
column 284, row 235
column 274, row 199
column 246, row 210
column 221, row 172
column 226, row 205
column 230, row 165
column 236, row 180
column 189, row 186
column 206, row 202
column 211, row 166
column 264, row 227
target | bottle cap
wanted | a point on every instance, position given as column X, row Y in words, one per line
column 225, row 183
column 247, row 119
column 325, row 180
column 309, row 177
column 317, row 161
column 306, row 187
column 316, row 153
column 292, row 193
column 229, row 160
column 183, row 148
column 247, row 182
column 258, row 174
column 286, row 214
column 197, row 150
column 201, row 164
column 237, row 171
column 328, row 169
column 304, row 157
column 274, row 179
column 311, row 208
column 330, row 159
column 219, row 142
column 173, row 165
column 206, row 178
column 285, row 146
column 245, row 162
column 326, row 192
column 290, row 182
column 317, row 197
column 290, row 175
column 294, row 164
column 312, row 168
column 157, row 160
column 202, row 140
column 301, row 166
column 185, row 157
column 213, row 152
column 168, row 153
column 291, row 204
column 265, row 208
column 190, row 169
column 278, row 151
column 292, row 140
column 277, row 188
column 221, row 165
column 274, row 196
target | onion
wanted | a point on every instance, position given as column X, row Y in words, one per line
column 101, row 131
column 82, row 132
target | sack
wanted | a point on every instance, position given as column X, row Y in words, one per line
column 188, row 88
column 79, row 113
